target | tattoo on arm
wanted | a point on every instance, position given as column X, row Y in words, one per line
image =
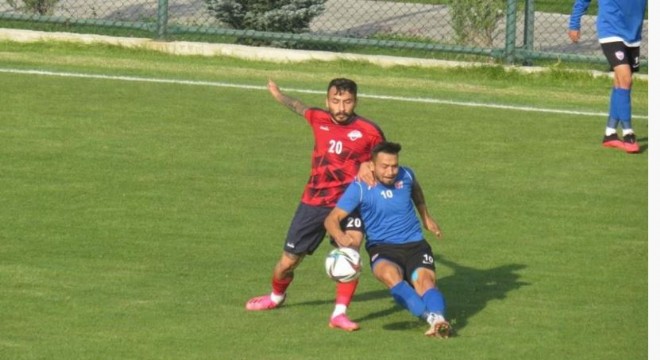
column 293, row 104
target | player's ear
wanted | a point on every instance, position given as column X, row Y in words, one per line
column 372, row 166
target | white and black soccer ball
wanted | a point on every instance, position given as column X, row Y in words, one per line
column 343, row 264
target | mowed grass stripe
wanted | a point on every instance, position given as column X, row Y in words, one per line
column 306, row 91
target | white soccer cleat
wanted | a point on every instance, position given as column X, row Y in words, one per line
column 439, row 327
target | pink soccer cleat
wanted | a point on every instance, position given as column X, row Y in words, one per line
column 613, row 141
column 343, row 322
column 630, row 144
column 262, row 303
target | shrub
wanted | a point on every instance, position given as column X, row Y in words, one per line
column 41, row 7
column 475, row 21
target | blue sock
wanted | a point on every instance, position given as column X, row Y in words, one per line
column 406, row 296
column 613, row 118
column 434, row 301
column 620, row 104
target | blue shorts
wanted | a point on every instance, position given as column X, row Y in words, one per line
column 306, row 231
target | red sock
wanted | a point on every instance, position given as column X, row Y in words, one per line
column 345, row 292
column 279, row 286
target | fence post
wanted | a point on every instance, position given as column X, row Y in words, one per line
column 510, row 40
column 528, row 42
column 162, row 19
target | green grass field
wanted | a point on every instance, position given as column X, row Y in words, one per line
column 138, row 217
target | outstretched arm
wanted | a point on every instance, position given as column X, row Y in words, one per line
column 293, row 104
column 427, row 220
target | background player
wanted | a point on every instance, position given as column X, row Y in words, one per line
column 400, row 256
column 343, row 141
column 619, row 26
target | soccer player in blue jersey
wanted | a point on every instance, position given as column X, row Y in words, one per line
column 400, row 256
column 619, row 26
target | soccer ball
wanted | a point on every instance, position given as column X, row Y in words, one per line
column 343, row 264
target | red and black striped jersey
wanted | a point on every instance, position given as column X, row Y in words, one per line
column 339, row 149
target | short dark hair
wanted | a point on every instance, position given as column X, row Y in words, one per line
column 343, row 84
column 386, row 147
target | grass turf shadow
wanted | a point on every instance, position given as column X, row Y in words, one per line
column 467, row 291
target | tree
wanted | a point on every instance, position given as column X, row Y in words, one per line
column 285, row 16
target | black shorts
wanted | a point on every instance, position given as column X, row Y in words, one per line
column 617, row 53
column 306, row 231
column 409, row 257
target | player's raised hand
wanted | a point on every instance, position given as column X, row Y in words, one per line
column 293, row 104
column 274, row 89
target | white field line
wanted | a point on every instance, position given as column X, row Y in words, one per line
column 362, row 95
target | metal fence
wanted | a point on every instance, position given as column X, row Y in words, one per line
column 520, row 34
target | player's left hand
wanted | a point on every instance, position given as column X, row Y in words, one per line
column 433, row 227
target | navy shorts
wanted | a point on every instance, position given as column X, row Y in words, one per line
column 409, row 257
column 617, row 53
column 306, row 231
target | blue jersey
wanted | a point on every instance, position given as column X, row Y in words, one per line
column 618, row 20
column 388, row 212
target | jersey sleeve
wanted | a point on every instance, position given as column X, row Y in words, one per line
column 351, row 198
column 579, row 8
column 378, row 136
column 311, row 114
column 409, row 173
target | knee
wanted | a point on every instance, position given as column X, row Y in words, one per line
column 624, row 82
column 387, row 274
column 423, row 279
column 287, row 263
column 622, row 77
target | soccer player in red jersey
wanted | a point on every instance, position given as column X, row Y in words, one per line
column 342, row 148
